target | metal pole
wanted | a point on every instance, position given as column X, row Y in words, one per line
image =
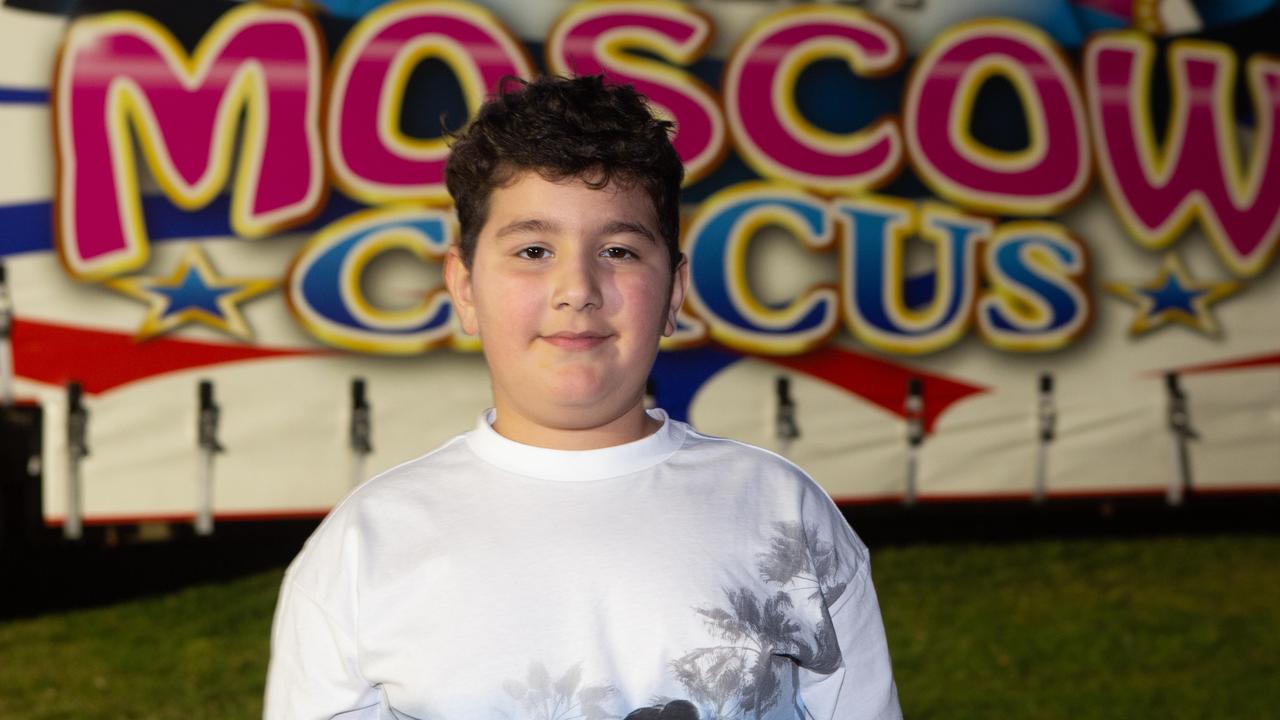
column 207, row 437
column 914, row 412
column 77, row 450
column 1048, row 416
column 6, row 342
column 1180, row 426
column 361, row 430
column 785, row 427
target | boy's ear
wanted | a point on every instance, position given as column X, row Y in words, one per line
column 457, row 279
column 679, row 287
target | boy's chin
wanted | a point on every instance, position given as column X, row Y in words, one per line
column 578, row 386
column 589, row 403
column 584, row 410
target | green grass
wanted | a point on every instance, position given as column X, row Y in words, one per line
column 1156, row 628
column 198, row 654
column 1166, row 628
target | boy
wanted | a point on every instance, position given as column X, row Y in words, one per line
column 576, row 556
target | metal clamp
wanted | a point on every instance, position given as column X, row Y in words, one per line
column 785, row 427
column 6, row 342
column 207, row 440
column 913, row 411
column 1180, row 426
column 1047, row 416
column 77, row 450
column 207, row 430
column 361, row 431
column 361, row 424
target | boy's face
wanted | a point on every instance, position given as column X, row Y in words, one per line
column 570, row 289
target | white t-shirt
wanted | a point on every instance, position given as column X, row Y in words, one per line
column 679, row 576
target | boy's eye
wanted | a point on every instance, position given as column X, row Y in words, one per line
column 533, row 252
column 618, row 253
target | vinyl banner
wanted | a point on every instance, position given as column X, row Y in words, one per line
column 939, row 251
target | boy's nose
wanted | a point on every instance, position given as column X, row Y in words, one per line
column 577, row 285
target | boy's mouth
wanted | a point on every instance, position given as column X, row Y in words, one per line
column 576, row 341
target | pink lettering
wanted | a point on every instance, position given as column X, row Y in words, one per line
column 1158, row 191
column 759, row 89
column 119, row 70
column 372, row 159
column 592, row 38
column 1044, row 177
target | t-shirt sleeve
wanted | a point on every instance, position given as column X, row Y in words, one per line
column 856, row 681
column 313, row 673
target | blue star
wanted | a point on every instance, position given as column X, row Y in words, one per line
column 194, row 294
column 1172, row 296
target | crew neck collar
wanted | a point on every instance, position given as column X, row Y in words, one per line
column 574, row 465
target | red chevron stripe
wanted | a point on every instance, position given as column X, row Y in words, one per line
column 1221, row 365
column 102, row 361
column 879, row 381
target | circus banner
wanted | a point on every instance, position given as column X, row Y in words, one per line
column 939, row 251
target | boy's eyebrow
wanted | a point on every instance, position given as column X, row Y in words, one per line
column 622, row 227
column 541, row 226
column 530, row 225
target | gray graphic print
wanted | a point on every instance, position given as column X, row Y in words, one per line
column 674, row 710
column 562, row 699
column 743, row 677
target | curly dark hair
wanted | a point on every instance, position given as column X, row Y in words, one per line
column 563, row 128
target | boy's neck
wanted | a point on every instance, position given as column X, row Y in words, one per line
column 629, row 427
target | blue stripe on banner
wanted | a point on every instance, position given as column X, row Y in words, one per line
column 23, row 96
column 29, row 227
column 24, row 228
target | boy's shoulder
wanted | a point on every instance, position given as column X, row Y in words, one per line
column 444, row 459
column 771, row 484
column 394, row 490
column 727, row 456
column 400, row 482
column 698, row 453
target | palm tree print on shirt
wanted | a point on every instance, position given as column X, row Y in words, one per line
column 742, row 678
column 561, row 699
